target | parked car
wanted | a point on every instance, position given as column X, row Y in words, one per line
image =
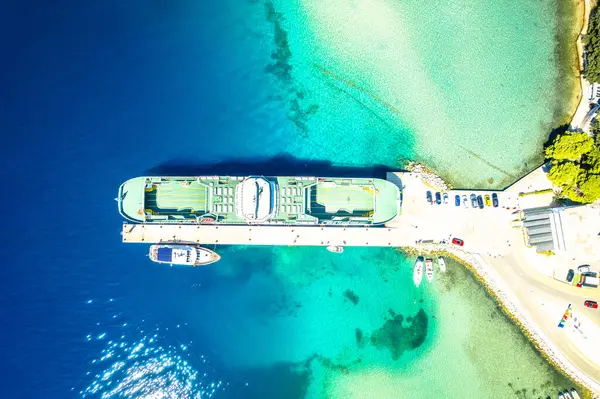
column 584, row 269
column 458, row 241
column 438, row 198
column 570, row 275
column 488, row 201
column 480, row 201
column 445, row 198
column 465, row 201
column 589, row 280
column 457, row 200
column 473, row 200
column 429, row 197
column 591, row 304
column 495, row 200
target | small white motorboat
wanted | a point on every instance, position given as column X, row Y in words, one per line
column 336, row 249
column 185, row 255
column 442, row 264
column 429, row 269
column 567, row 395
column 418, row 271
column 574, row 394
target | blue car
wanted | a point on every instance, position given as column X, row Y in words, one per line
column 457, row 200
column 438, row 198
column 429, row 197
column 480, row 201
column 495, row 200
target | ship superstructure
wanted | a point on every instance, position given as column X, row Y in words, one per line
column 259, row 200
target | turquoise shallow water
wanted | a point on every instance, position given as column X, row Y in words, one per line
column 465, row 87
column 469, row 84
column 170, row 87
column 354, row 326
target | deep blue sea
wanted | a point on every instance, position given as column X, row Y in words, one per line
column 94, row 93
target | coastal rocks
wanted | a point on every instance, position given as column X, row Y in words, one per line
column 510, row 305
column 428, row 176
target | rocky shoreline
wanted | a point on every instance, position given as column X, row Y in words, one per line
column 428, row 176
column 494, row 285
column 480, row 270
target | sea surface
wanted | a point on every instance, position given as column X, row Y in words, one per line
column 94, row 93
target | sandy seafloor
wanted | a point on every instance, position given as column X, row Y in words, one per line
column 101, row 92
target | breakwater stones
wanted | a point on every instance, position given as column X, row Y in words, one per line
column 496, row 287
column 428, row 176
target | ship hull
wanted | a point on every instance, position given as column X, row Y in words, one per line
column 182, row 255
column 259, row 200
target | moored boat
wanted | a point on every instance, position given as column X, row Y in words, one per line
column 418, row 271
column 567, row 395
column 336, row 249
column 442, row 264
column 561, row 396
column 429, row 269
column 575, row 394
column 185, row 255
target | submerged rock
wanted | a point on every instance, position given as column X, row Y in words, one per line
column 351, row 296
column 397, row 338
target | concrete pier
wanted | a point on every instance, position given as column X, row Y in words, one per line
column 265, row 235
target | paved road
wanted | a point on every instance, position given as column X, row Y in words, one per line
column 541, row 296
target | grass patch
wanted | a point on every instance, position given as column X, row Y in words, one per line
column 545, row 191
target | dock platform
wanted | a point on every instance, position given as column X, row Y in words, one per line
column 264, row 235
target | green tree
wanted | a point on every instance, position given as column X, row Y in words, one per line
column 591, row 161
column 591, row 43
column 575, row 166
column 564, row 173
column 595, row 130
column 570, row 145
column 590, row 187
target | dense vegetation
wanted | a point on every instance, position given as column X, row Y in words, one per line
column 596, row 131
column 570, row 146
column 575, row 166
column 591, row 43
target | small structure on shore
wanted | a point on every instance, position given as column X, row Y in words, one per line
column 543, row 228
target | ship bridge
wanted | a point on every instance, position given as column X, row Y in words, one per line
column 255, row 199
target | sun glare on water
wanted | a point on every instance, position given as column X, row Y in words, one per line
column 148, row 367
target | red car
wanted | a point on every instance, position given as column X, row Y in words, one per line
column 591, row 304
column 458, row 241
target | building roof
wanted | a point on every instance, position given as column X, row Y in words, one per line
column 543, row 228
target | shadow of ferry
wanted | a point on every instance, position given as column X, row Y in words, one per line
column 280, row 165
